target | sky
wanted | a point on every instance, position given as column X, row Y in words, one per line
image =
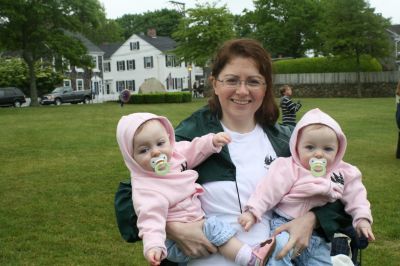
column 117, row 8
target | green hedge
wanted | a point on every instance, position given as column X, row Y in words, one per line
column 164, row 97
column 326, row 65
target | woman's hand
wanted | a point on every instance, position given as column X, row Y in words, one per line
column 300, row 231
column 190, row 238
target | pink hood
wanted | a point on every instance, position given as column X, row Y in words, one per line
column 316, row 116
column 161, row 198
column 126, row 129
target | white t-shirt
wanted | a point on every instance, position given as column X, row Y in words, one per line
column 251, row 153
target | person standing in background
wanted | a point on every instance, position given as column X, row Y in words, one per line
column 195, row 90
column 398, row 118
column 289, row 108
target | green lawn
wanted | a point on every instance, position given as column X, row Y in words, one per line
column 60, row 166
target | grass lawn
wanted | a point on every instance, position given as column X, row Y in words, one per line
column 60, row 167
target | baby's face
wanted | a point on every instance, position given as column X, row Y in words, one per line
column 151, row 141
column 317, row 141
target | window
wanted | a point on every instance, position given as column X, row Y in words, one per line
column 94, row 62
column 179, row 83
column 169, row 60
column 66, row 64
column 79, row 84
column 107, row 67
column 95, row 89
column 120, row 65
column 120, row 85
column 67, row 83
column 100, row 64
column 174, row 83
column 134, row 45
column 172, row 61
column 130, row 64
column 148, row 62
column 130, row 85
column 9, row 93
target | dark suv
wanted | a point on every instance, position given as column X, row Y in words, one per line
column 11, row 96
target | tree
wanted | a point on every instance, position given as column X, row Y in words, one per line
column 13, row 72
column 244, row 24
column 286, row 28
column 202, row 31
column 37, row 29
column 165, row 21
column 351, row 28
column 108, row 31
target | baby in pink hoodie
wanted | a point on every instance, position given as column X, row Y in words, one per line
column 313, row 176
column 164, row 189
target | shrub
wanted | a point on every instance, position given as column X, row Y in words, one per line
column 154, row 97
column 326, row 65
column 167, row 97
column 186, row 97
column 174, row 97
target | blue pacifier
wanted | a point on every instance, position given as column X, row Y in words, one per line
column 160, row 164
column 317, row 167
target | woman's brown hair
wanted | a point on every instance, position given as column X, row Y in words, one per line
column 268, row 113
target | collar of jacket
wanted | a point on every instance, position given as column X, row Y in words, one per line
column 219, row 167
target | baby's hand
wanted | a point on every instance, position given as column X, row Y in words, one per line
column 246, row 220
column 220, row 139
column 364, row 228
column 153, row 256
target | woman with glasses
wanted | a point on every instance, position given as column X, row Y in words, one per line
column 243, row 105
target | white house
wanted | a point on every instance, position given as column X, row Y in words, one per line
column 394, row 32
column 141, row 57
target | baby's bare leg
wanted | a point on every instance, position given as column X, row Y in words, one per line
column 231, row 248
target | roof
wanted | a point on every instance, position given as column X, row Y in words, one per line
column 395, row 28
column 162, row 43
column 90, row 46
column 109, row 49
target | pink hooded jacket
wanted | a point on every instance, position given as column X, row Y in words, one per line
column 293, row 191
column 172, row 197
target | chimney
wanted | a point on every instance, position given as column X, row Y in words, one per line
column 151, row 32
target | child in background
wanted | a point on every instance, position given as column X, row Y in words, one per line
column 314, row 175
column 289, row 108
column 164, row 189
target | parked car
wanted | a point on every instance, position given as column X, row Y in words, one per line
column 66, row 95
column 11, row 96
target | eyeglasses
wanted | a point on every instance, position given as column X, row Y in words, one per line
column 234, row 83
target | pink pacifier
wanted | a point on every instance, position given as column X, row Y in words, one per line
column 317, row 167
column 160, row 164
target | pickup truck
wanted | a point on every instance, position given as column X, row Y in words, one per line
column 66, row 95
